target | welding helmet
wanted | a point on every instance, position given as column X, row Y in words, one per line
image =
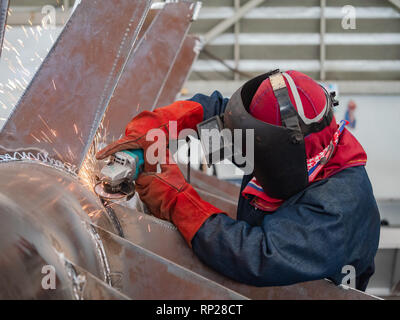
column 280, row 162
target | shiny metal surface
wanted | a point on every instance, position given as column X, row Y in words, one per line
column 3, row 20
column 147, row 68
column 24, row 251
column 88, row 287
column 142, row 274
column 146, row 24
column 31, row 241
column 162, row 238
column 59, row 205
column 226, row 205
column 61, row 109
column 212, row 184
column 180, row 71
column 49, row 216
column 45, row 221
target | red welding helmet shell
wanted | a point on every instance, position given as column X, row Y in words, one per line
column 280, row 158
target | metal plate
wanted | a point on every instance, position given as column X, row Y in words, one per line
column 212, row 184
column 62, row 107
column 3, row 20
column 88, row 287
column 180, row 71
column 226, row 205
column 147, row 68
column 141, row 274
column 57, row 204
column 162, row 238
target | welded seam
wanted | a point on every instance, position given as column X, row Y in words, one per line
column 173, row 267
column 113, row 217
column 104, row 100
column 41, row 157
column 78, row 280
column 171, row 65
column 101, row 251
column 160, row 222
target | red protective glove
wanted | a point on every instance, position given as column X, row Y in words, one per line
column 168, row 196
column 187, row 114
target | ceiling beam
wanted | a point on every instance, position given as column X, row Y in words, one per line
column 224, row 25
column 33, row 16
column 396, row 3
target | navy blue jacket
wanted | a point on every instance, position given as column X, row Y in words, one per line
column 332, row 223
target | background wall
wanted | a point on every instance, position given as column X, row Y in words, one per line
column 378, row 130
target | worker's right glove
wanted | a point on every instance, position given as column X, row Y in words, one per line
column 187, row 114
column 168, row 196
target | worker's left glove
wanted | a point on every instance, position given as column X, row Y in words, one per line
column 168, row 196
column 187, row 115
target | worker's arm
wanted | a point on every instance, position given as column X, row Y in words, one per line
column 212, row 105
column 187, row 115
column 332, row 223
column 303, row 245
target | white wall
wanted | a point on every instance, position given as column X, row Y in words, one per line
column 378, row 130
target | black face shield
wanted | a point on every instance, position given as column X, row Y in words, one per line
column 280, row 163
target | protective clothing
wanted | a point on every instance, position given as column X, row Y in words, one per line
column 279, row 151
column 281, row 109
column 313, row 234
column 186, row 114
column 314, row 166
column 168, row 196
column 331, row 223
column 310, row 101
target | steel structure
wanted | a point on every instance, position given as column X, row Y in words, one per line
column 3, row 19
column 49, row 214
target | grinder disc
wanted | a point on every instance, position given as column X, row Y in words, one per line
column 99, row 189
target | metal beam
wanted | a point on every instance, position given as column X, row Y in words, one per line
column 180, row 71
column 163, row 240
column 68, row 108
column 3, row 19
column 222, row 26
column 396, row 3
column 147, row 69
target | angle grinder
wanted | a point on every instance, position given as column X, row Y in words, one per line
column 118, row 175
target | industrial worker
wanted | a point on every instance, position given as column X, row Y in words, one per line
column 307, row 211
